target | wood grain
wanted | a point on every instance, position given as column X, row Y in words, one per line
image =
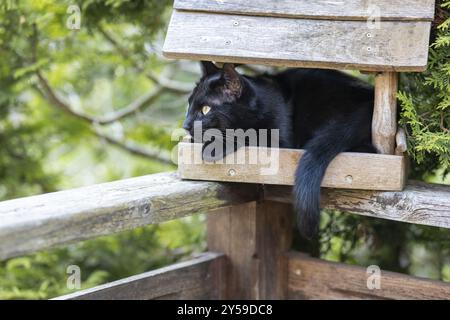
column 311, row 278
column 192, row 279
column 418, row 203
column 384, row 122
column 41, row 222
column 254, row 238
column 347, row 170
column 400, row 142
column 329, row 10
column 394, row 46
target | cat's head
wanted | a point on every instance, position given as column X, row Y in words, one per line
column 219, row 100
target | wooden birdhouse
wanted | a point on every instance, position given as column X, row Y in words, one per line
column 380, row 36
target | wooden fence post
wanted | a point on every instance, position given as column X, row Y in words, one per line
column 254, row 237
column 384, row 122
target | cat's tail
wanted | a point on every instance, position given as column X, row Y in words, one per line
column 320, row 151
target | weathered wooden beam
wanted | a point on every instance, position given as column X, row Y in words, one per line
column 419, row 203
column 384, row 122
column 41, row 222
column 311, row 278
column 390, row 46
column 198, row 278
column 255, row 238
column 328, row 10
column 277, row 166
column 400, row 142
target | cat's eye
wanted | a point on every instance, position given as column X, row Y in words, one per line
column 205, row 110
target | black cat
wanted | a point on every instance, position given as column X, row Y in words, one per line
column 322, row 111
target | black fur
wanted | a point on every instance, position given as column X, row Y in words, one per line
column 322, row 111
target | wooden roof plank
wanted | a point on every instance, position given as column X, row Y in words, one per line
column 321, row 9
column 393, row 46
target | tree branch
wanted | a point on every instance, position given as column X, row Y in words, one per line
column 49, row 94
column 168, row 84
column 147, row 152
column 171, row 85
column 139, row 103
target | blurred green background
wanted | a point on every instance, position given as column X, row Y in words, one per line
column 79, row 107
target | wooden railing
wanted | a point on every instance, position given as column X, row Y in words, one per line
column 249, row 237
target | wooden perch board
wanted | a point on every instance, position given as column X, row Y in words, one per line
column 390, row 46
column 348, row 170
column 329, row 10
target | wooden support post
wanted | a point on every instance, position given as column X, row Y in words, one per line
column 254, row 237
column 384, row 122
column 400, row 141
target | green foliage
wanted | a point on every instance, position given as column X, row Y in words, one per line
column 406, row 248
column 44, row 275
column 425, row 101
column 43, row 148
column 104, row 67
column 41, row 142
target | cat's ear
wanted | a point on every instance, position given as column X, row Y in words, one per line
column 233, row 82
column 208, row 68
